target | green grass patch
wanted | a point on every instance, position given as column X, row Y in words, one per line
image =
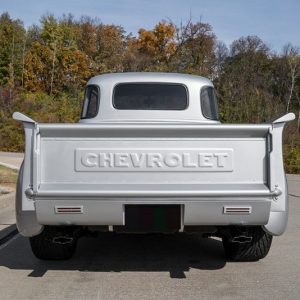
column 292, row 159
column 8, row 176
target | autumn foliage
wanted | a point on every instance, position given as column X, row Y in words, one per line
column 43, row 70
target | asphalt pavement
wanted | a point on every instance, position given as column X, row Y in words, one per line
column 149, row 266
column 11, row 159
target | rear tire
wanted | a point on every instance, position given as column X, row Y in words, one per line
column 254, row 250
column 43, row 247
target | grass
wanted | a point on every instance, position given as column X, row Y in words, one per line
column 292, row 159
column 8, row 176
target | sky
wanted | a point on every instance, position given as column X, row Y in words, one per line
column 277, row 22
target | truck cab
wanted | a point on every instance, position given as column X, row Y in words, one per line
column 149, row 97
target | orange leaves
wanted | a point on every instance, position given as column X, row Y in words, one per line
column 159, row 43
column 37, row 67
column 71, row 66
column 74, row 67
column 147, row 42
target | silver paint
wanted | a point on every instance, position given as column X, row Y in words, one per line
column 152, row 157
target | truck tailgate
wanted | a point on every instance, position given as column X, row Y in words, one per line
column 151, row 160
column 92, row 174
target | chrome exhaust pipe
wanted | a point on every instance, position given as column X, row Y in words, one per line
column 241, row 239
column 62, row 240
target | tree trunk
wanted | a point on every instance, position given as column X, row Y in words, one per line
column 23, row 59
column 293, row 71
column 298, row 120
column 11, row 81
column 53, row 68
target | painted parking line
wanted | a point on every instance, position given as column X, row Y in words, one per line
column 9, row 166
column 9, row 241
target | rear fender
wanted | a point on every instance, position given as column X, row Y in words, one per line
column 25, row 210
column 279, row 207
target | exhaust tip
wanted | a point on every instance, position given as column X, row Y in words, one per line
column 62, row 240
column 241, row 239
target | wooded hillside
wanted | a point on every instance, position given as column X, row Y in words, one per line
column 44, row 68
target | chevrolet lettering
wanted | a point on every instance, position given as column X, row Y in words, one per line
column 186, row 160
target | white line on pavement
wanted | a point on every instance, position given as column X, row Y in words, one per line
column 9, row 241
column 9, row 166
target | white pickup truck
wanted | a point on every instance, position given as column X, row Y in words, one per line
column 150, row 155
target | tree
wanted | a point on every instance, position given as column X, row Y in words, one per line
column 157, row 46
column 87, row 36
column 292, row 59
column 110, row 48
column 220, row 56
column 52, row 36
column 37, row 73
column 195, row 49
column 54, row 63
column 11, row 43
column 245, row 86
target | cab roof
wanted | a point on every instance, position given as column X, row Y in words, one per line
column 149, row 77
column 107, row 113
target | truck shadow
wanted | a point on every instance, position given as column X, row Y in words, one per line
column 176, row 254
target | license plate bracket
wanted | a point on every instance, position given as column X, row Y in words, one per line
column 151, row 218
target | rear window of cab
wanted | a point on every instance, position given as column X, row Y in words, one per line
column 91, row 102
column 150, row 96
column 208, row 102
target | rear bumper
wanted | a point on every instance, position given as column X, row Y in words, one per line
column 112, row 212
